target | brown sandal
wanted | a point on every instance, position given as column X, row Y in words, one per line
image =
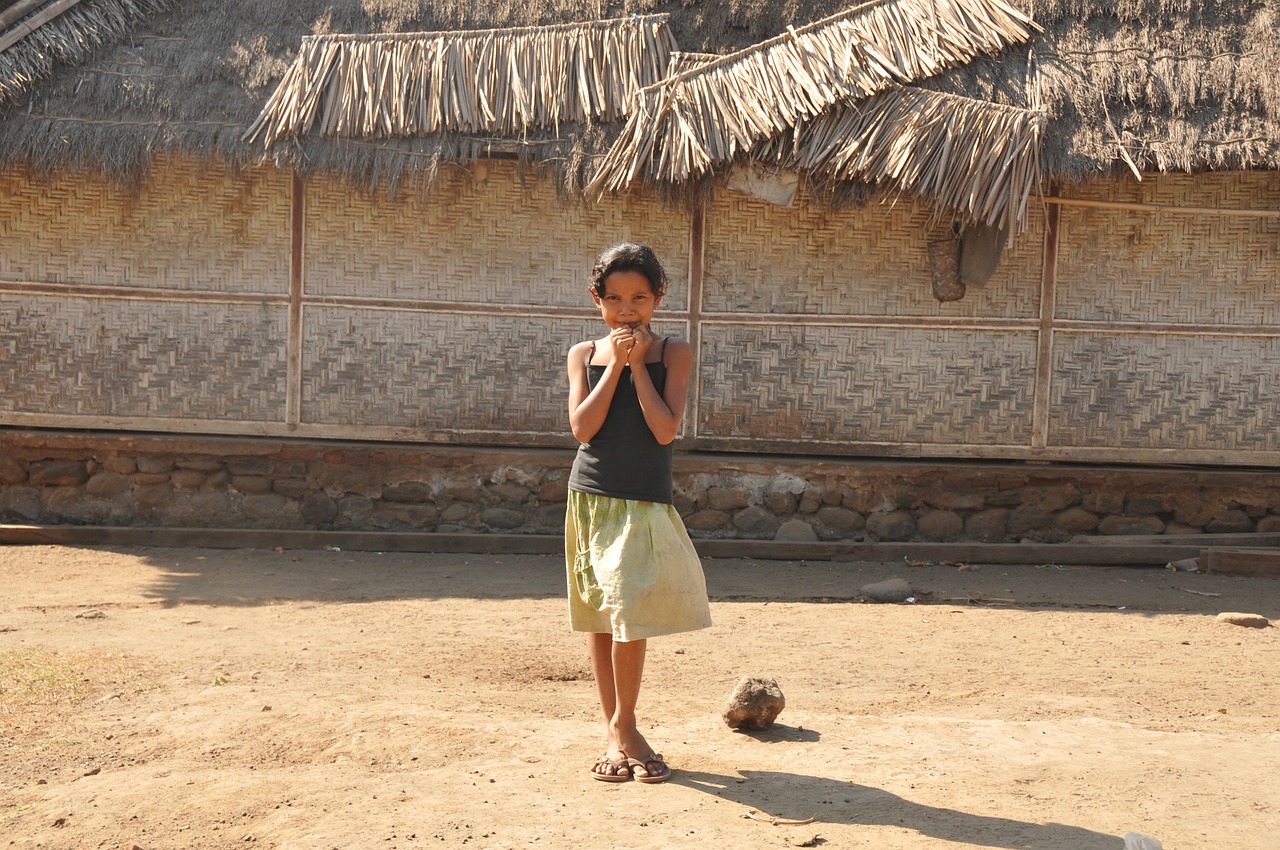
column 651, row 777
column 614, row 765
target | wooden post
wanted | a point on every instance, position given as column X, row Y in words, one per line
column 697, row 259
column 293, row 349
column 1044, row 353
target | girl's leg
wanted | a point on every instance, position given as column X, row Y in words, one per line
column 601, row 649
column 628, row 670
column 600, row 646
column 619, row 669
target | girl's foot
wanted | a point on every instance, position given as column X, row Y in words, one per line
column 611, row 770
column 651, row 769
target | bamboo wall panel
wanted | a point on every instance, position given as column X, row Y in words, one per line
column 872, row 261
column 1115, row 265
column 442, row 375
column 191, row 226
column 1186, row 392
column 817, row 386
column 437, row 373
column 1227, row 190
column 142, row 360
column 492, row 240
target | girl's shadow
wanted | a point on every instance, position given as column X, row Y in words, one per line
column 793, row 796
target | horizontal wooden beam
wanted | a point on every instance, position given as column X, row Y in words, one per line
column 30, row 25
column 1160, row 208
column 1241, row 562
column 1202, row 541
column 18, row 10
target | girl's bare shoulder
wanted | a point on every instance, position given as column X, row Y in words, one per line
column 678, row 347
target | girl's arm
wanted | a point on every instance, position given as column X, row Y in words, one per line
column 664, row 413
column 588, row 408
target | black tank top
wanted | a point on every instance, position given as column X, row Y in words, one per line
column 624, row 460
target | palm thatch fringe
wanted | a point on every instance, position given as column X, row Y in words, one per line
column 481, row 81
column 68, row 38
column 979, row 160
column 684, row 126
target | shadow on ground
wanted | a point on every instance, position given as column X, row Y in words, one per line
column 797, row 797
column 209, row 576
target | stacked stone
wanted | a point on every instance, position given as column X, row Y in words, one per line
column 999, row 510
column 191, row 483
column 300, row 489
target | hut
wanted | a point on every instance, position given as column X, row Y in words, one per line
column 954, row 270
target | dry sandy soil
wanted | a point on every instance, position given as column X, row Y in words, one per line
column 202, row 698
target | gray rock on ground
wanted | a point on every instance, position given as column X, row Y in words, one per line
column 889, row 590
column 754, row 704
column 1236, row 618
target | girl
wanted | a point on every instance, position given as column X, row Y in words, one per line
column 633, row 572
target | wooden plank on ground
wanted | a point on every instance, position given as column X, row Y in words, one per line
column 1245, row 539
column 260, row 538
column 1241, row 562
column 972, row 553
column 1120, row 554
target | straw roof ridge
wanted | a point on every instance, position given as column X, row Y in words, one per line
column 502, row 81
column 69, row 38
column 685, row 126
column 976, row 159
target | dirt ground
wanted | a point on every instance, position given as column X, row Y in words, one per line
column 208, row 698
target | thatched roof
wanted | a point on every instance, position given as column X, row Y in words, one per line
column 977, row 160
column 706, row 116
column 37, row 35
column 1161, row 84
column 499, row 81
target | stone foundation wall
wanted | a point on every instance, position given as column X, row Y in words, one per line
column 60, row 478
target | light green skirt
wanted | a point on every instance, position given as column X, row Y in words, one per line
column 633, row 571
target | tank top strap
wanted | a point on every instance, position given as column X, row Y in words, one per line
column 662, row 352
column 591, row 355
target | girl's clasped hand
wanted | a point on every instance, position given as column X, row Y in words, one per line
column 630, row 343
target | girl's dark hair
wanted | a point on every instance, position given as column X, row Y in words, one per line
column 628, row 257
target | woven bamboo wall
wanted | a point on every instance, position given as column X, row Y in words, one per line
column 821, row 334
column 189, row 228
column 871, row 262
column 447, row 317
column 159, row 307
column 439, row 374
column 141, row 365
column 825, row 388
column 1164, row 337
column 1115, row 265
column 207, row 301
column 478, row 241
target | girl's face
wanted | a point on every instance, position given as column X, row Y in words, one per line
column 628, row 300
